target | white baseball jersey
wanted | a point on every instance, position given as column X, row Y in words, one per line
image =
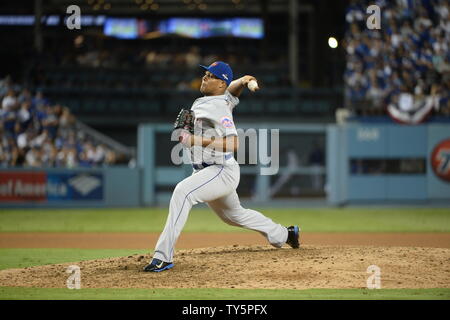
column 215, row 183
column 213, row 118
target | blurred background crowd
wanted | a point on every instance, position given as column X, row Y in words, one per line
column 37, row 133
column 405, row 61
column 159, row 67
column 97, row 53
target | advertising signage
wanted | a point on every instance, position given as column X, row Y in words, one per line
column 41, row 186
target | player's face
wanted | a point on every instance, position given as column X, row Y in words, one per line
column 210, row 83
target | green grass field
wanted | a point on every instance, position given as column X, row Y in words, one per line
column 203, row 220
column 221, row 294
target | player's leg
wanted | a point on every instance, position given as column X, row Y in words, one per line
column 229, row 209
column 203, row 186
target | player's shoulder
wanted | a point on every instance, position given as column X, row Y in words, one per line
column 211, row 107
column 226, row 98
column 214, row 100
column 231, row 98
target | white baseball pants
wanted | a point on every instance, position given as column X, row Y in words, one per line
column 216, row 185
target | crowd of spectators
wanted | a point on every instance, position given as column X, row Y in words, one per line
column 105, row 58
column 37, row 133
column 108, row 53
column 404, row 62
column 158, row 65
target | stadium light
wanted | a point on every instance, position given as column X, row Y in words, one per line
column 332, row 42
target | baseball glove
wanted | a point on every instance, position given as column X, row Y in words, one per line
column 185, row 120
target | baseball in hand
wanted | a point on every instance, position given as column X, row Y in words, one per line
column 253, row 85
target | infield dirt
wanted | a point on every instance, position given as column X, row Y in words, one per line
column 191, row 240
column 251, row 267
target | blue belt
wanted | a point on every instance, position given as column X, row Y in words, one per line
column 204, row 165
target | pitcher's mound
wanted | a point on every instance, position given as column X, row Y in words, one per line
column 255, row 267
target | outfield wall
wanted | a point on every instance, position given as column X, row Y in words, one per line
column 81, row 187
column 370, row 163
column 365, row 164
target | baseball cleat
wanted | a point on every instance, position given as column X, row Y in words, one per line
column 293, row 234
column 157, row 266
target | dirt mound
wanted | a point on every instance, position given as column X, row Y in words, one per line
column 251, row 267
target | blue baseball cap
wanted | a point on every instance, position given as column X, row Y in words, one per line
column 221, row 70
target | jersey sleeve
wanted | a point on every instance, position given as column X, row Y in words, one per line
column 226, row 124
column 233, row 101
column 203, row 111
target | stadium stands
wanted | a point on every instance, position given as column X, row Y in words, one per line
column 161, row 91
column 36, row 133
column 155, row 83
column 400, row 67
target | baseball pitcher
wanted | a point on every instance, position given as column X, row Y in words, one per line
column 207, row 130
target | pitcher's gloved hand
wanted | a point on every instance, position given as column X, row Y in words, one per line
column 185, row 120
column 185, row 125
